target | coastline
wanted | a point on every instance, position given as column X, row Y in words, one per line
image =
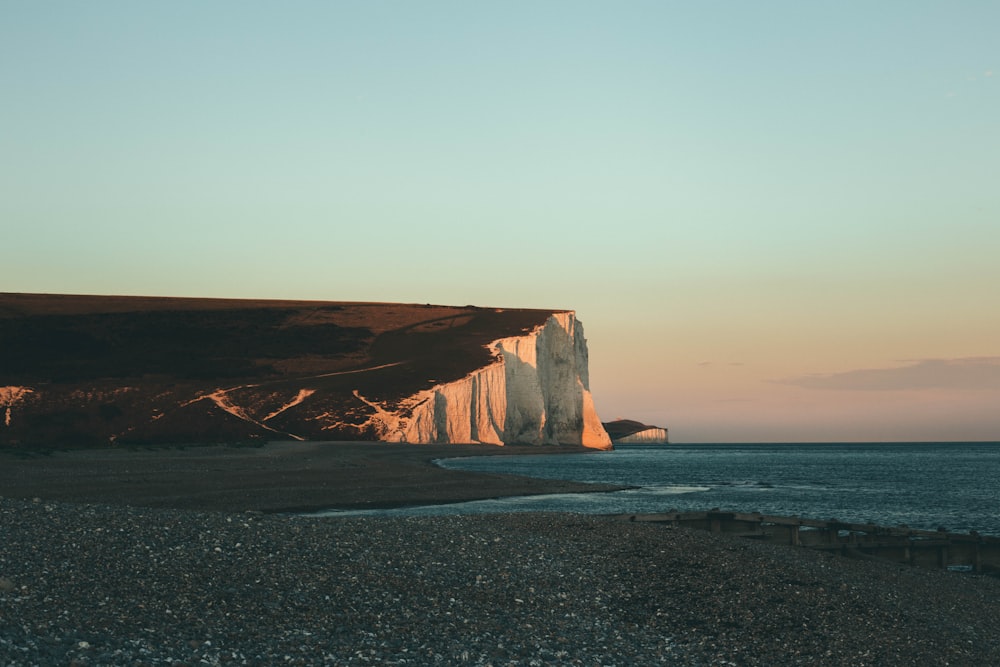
column 102, row 564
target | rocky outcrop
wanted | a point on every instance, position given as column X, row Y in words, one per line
column 9, row 397
column 89, row 371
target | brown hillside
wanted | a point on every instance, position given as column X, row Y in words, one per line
column 103, row 369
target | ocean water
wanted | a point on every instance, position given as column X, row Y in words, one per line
column 921, row 485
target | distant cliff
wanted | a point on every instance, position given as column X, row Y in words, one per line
column 96, row 370
column 631, row 432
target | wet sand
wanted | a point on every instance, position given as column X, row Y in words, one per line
column 276, row 477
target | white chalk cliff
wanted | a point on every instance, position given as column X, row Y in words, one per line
column 240, row 371
column 536, row 391
column 653, row 435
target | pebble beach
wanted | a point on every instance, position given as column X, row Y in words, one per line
column 85, row 583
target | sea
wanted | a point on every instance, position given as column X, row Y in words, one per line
column 927, row 486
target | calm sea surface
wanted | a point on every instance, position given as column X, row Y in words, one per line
column 922, row 485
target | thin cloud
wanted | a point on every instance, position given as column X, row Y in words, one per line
column 965, row 373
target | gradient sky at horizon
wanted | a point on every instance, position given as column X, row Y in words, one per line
column 778, row 221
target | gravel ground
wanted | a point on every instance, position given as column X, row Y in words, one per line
column 114, row 585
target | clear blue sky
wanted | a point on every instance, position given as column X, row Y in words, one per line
column 754, row 208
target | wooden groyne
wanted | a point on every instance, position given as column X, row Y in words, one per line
column 969, row 552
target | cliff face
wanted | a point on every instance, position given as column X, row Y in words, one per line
column 650, row 436
column 96, row 370
column 536, row 391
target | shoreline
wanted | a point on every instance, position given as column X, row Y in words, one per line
column 273, row 477
column 114, row 584
column 101, row 564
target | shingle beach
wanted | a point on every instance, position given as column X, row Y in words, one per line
column 120, row 584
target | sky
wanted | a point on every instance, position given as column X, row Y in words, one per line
column 777, row 221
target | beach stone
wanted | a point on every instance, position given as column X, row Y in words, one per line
column 551, row 589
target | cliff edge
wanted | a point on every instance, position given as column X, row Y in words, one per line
column 89, row 370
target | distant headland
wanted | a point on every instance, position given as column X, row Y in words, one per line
column 632, row 432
